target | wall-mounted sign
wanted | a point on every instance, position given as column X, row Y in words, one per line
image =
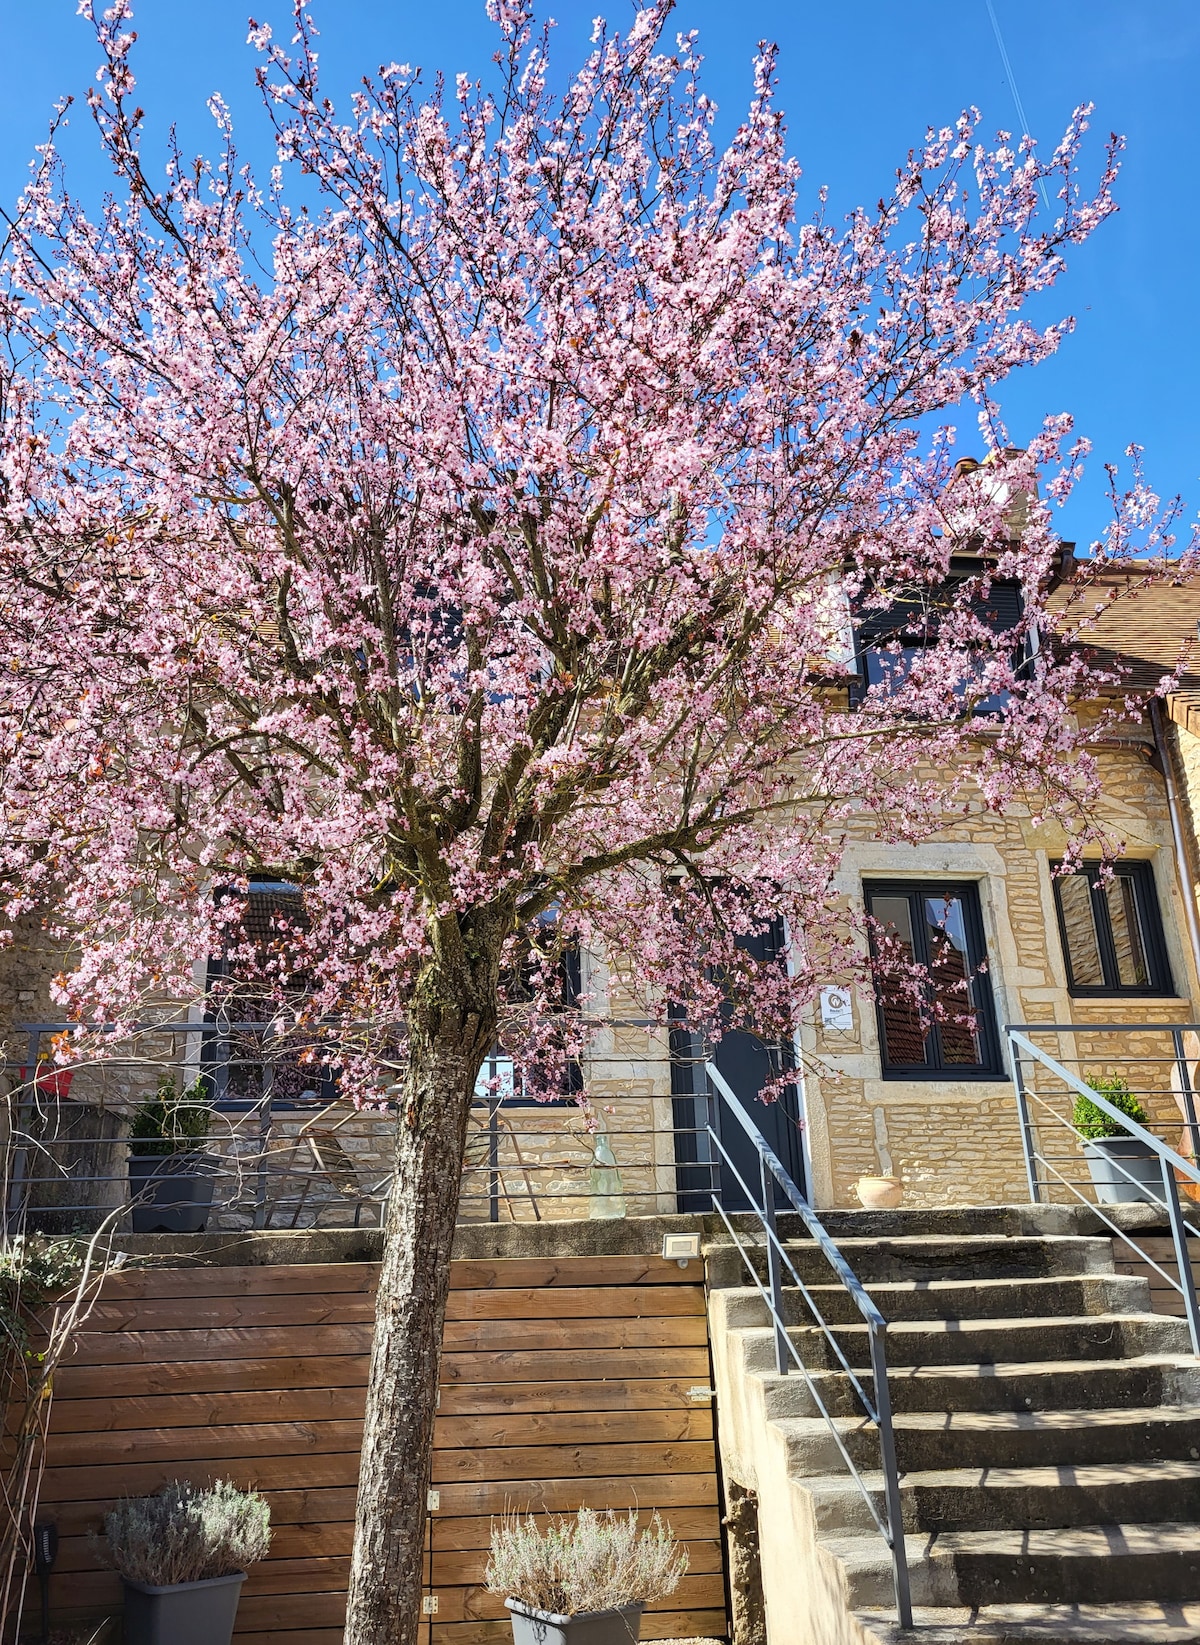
column 837, row 1010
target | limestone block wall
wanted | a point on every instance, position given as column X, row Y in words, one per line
column 957, row 1141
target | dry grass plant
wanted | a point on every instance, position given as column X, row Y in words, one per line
column 589, row 1561
column 187, row 1533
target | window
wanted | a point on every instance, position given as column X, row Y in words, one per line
column 892, row 641
column 1111, row 932
column 529, row 1084
column 938, row 926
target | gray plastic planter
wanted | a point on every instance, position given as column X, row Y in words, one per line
column 617, row 1627
column 187, row 1613
column 1109, row 1158
column 172, row 1193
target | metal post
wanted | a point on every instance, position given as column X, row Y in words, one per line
column 494, row 1154
column 774, row 1268
column 891, row 1476
column 18, row 1187
column 221, row 1051
column 1027, row 1137
column 1187, row 1281
column 1189, row 1096
column 264, row 1136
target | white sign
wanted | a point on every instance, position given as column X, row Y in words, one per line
column 837, row 1010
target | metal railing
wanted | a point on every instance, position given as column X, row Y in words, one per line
column 876, row 1404
column 1047, row 1087
column 283, row 1150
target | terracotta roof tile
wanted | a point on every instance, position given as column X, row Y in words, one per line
column 1150, row 627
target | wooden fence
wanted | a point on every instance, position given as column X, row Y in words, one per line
column 1165, row 1298
column 566, row 1381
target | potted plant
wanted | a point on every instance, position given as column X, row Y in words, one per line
column 171, row 1178
column 1114, row 1156
column 182, row 1555
column 584, row 1578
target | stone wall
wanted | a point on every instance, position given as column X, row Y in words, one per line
column 957, row 1142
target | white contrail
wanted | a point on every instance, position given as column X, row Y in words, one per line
column 1012, row 81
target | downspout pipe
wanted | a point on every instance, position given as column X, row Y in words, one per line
column 1183, row 861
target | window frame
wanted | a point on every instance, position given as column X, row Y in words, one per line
column 982, row 997
column 912, row 623
column 1140, row 871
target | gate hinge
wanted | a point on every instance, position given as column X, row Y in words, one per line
column 433, row 1501
column 429, row 1605
column 700, row 1394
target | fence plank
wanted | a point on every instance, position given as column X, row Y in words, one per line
column 453, row 1568
column 517, row 1365
column 492, row 1335
column 575, row 1302
column 474, row 1603
column 588, row 1461
column 511, row 1273
column 681, row 1625
column 572, row 1427
column 90, row 1381
column 616, row 1394
column 303, row 1308
column 94, row 1416
column 248, row 1342
column 451, row 1536
column 265, row 1280
column 259, row 1439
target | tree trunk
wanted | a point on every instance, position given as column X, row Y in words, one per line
column 386, row 1572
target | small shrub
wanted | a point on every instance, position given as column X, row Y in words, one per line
column 589, row 1562
column 188, row 1533
column 33, row 1271
column 171, row 1122
column 1091, row 1121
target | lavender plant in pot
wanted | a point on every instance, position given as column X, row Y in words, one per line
column 582, row 1579
column 182, row 1555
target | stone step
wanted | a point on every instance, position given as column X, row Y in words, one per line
column 1038, row 1298
column 1094, row 1564
column 1095, row 1337
column 931, row 1441
column 1040, row 1385
column 977, row 1341
column 949, row 1222
column 1038, row 1624
column 1001, row 1499
column 927, row 1257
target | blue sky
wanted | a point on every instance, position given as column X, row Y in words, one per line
column 859, row 84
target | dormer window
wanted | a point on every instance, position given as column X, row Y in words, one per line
column 893, row 640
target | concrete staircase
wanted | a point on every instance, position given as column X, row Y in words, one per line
column 1047, row 1425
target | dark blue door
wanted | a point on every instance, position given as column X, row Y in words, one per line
column 747, row 1064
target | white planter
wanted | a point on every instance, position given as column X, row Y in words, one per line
column 1111, row 1158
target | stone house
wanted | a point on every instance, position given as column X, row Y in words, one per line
column 875, row 1094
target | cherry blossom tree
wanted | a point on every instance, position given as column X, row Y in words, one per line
column 461, row 522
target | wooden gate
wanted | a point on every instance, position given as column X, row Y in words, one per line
column 567, row 1381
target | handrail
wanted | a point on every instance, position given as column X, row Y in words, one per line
column 878, row 1410
column 1172, row 1164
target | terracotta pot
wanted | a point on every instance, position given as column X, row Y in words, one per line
column 879, row 1193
